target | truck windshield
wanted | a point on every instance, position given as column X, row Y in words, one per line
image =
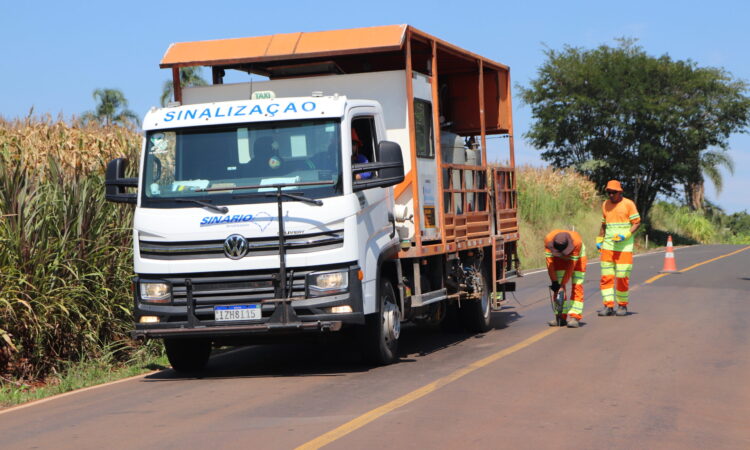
column 180, row 163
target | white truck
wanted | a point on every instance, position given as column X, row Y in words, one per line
column 254, row 219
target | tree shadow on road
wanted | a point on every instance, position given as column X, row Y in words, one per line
column 333, row 355
column 427, row 340
column 659, row 237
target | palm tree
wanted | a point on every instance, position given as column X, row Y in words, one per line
column 710, row 162
column 189, row 76
column 111, row 109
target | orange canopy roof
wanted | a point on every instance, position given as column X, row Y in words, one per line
column 285, row 46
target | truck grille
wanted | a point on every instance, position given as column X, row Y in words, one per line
column 299, row 243
column 240, row 288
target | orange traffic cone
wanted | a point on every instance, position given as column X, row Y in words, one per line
column 669, row 263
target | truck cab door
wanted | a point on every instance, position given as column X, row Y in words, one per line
column 375, row 228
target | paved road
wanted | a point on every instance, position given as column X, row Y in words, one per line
column 675, row 373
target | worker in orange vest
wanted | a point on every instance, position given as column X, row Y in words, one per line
column 566, row 260
column 620, row 219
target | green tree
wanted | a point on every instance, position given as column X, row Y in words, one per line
column 111, row 108
column 710, row 163
column 616, row 112
column 189, row 76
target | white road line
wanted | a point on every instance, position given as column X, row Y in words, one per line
column 89, row 388
column 76, row 391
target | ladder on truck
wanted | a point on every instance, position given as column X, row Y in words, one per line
column 504, row 244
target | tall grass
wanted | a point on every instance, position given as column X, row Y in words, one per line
column 550, row 199
column 686, row 226
column 65, row 261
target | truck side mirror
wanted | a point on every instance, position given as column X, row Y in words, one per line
column 116, row 184
column 390, row 153
column 389, row 167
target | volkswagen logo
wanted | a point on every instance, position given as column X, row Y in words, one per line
column 235, row 246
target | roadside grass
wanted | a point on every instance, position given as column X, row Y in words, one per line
column 685, row 226
column 694, row 227
column 85, row 373
column 550, row 199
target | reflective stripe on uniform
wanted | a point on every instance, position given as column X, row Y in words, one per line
column 622, row 297
column 575, row 308
column 560, row 275
column 615, row 281
column 623, row 270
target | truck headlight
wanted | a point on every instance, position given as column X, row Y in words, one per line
column 155, row 291
column 327, row 283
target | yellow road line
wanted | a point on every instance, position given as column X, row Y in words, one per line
column 380, row 411
column 654, row 278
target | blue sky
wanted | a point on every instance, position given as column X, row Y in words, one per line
column 54, row 54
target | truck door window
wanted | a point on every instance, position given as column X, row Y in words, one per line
column 364, row 136
column 423, row 128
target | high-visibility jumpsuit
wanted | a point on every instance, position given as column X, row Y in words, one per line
column 617, row 257
column 567, row 267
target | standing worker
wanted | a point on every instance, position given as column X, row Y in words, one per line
column 566, row 259
column 620, row 219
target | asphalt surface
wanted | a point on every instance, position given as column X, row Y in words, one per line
column 674, row 373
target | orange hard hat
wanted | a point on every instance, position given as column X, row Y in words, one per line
column 613, row 185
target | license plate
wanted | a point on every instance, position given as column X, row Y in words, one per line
column 237, row 312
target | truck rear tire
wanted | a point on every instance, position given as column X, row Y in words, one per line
column 188, row 355
column 477, row 314
column 382, row 330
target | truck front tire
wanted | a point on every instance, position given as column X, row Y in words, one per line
column 188, row 355
column 382, row 329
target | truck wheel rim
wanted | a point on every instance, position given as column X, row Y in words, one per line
column 391, row 322
column 485, row 302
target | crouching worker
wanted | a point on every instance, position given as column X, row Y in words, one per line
column 566, row 260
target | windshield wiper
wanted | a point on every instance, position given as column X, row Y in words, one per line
column 219, row 209
column 276, row 187
column 298, row 197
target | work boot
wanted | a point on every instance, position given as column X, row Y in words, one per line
column 622, row 310
column 606, row 311
column 557, row 323
column 573, row 323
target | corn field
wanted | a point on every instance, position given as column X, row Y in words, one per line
column 65, row 253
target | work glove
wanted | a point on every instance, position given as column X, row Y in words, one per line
column 599, row 242
column 555, row 286
column 621, row 237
